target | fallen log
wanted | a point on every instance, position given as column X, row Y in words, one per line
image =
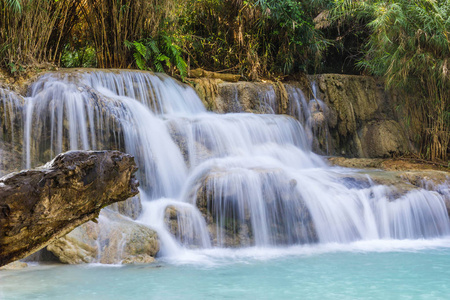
column 40, row 205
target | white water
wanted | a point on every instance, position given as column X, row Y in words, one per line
column 253, row 176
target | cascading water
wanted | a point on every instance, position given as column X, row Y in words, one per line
column 11, row 106
column 220, row 180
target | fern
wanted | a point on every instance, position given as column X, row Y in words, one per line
column 160, row 54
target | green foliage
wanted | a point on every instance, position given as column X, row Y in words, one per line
column 15, row 5
column 255, row 38
column 409, row 46
column 160, row 54
column 15, row 68
column 82, row 57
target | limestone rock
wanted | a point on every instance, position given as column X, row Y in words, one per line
column 198, row 73
column 206, row 89
column 10, row 158
column 181, row 221
column 113, row 239
column 139, row 259
column 362, row 117
column 404, row 176
column 131, row 207
column 40, row 205
column 383, row 139
column 256, row 97
column 15, row 265
column 232, row 224
column 11, row 131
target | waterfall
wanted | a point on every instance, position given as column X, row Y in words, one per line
column 220, row 180
column 11, row 107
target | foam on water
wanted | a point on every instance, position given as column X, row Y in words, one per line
column 214, row 257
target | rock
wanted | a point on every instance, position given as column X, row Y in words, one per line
column 15, row 265
column 206, row 89
column 403, row 175
column 40, row 205
column 171, row 216
column 357, row 163
column 383, row 139
column 362, row 117
column 131, row 207
column 113, row 239
column 187, row 226
column 11, row 131
column 388, row 164
column 198, row 73
column 255, row 97
column 78, row 247
column 229, row 217
column 139, row 259
column 10, row 158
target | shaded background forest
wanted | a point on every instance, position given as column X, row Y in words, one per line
column 404, row 41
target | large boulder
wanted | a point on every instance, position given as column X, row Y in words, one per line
column 235, row 214
column 40, row 205
column 113, row 239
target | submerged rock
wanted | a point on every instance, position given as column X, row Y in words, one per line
column 112, row 240
column 40, row 205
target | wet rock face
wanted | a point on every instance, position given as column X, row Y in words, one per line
column 362, row 118
column 11, row 131
column 383, row 139
column 10, row 158
column 40, row 205
column 131, row 208
column 180, row 222
column 232, row 218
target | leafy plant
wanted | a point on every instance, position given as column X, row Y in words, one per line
column 161, row 54
column 15, row 68
column 15, row 5
column 255, row 37
column 83, row 57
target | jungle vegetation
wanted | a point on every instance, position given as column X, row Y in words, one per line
column 406, row 42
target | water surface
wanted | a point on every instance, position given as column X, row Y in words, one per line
column 362, row 270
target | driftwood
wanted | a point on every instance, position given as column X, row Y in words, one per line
column 40, row 205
